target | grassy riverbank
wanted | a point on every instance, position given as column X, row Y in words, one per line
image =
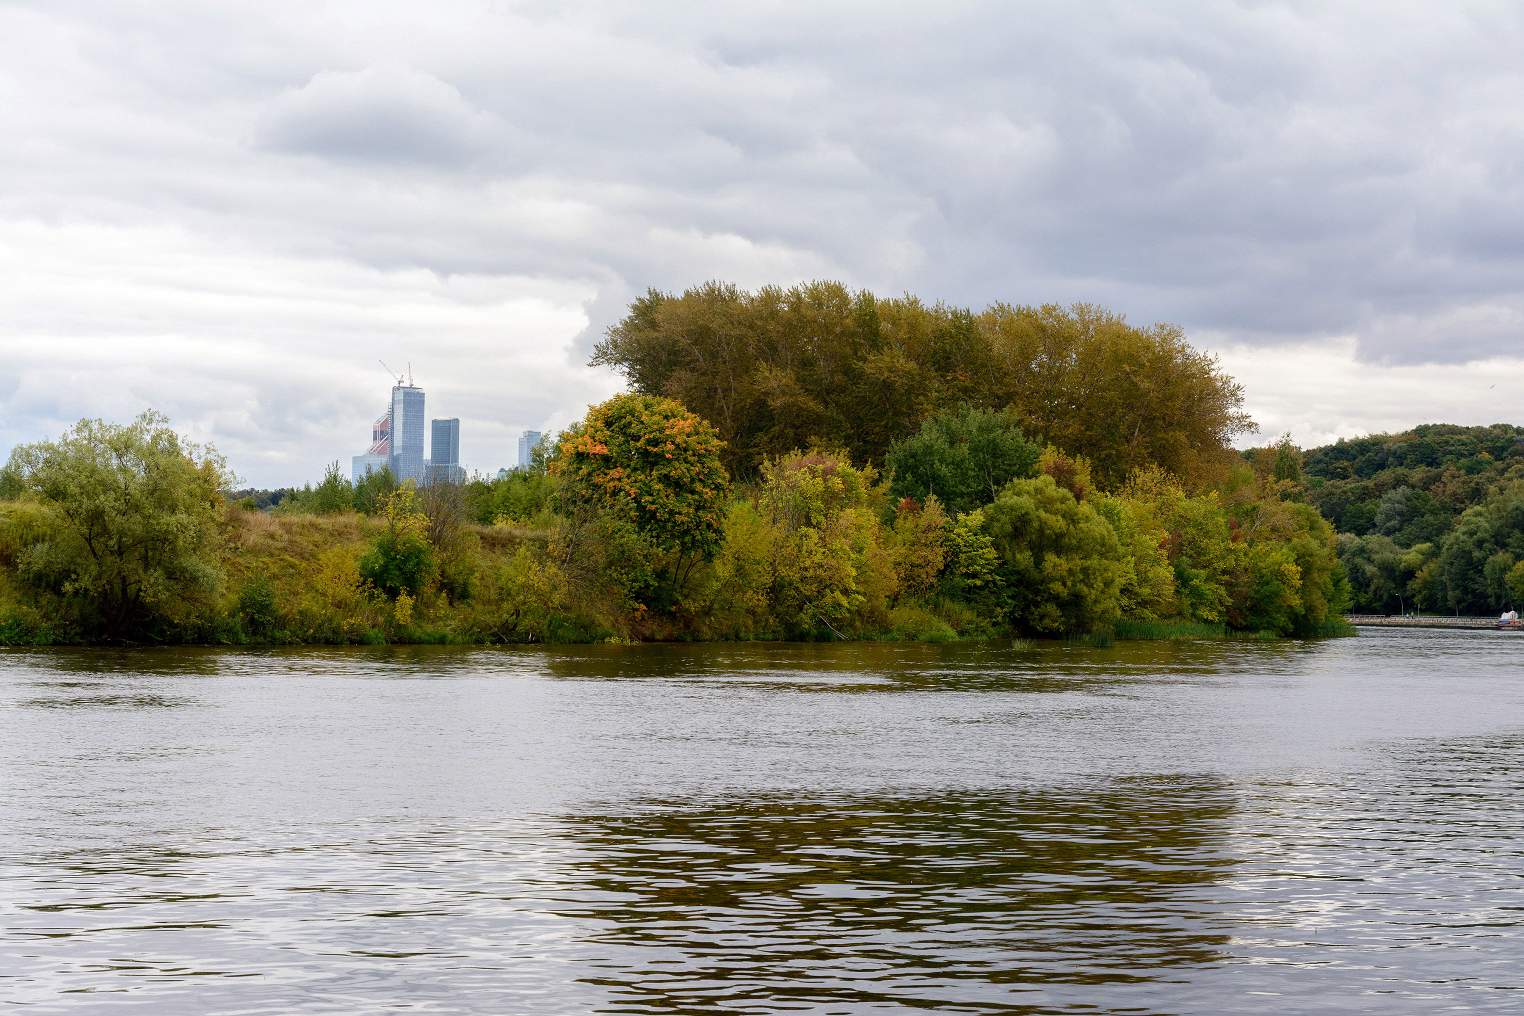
column 870, row 569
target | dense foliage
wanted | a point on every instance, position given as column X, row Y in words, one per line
column 115, row 529
column 817, row 364
column 963, row 457
column 906, row 472
column 1429, row 519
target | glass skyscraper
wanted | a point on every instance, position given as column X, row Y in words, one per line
column 444, row 452
column 528, row 441
column 407, row 434
column 444, row 442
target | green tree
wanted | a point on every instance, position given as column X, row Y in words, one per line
column 1287, row 467
column 401, row 560
column 961, row 456
column 820, row 365
column 1059, row 558
column 334, row 494
column 1148, row 579
column 1515, row 583
column 973, row 574
column 1286, row 576
column 1463, row 562
column 1495, row 574
column 1197, row 540
column 833, row 573
column 371, row 492
column 133, row 536
column 652, row 464
column 523, row 496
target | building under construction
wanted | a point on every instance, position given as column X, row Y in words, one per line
column 397, row 440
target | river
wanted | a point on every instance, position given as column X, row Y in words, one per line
column 1146, row 828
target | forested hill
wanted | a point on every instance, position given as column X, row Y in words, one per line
column 1432, row 517
column 1411, row 486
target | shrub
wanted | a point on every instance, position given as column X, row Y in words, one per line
column 962, row 457
column 401, row 560
column 914, row 624
column 257, row 616
column 1058, row 557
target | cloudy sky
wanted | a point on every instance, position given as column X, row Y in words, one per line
column 230, row 212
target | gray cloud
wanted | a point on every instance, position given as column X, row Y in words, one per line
column 382, row 115
column 238, row 210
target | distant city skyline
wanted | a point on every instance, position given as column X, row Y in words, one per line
column 397, row 442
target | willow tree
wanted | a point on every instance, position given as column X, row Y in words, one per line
column 130, row 540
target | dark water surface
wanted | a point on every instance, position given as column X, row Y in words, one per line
column 1151, row 828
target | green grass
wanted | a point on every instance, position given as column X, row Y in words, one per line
column 1161, row 631
column 1091, row 640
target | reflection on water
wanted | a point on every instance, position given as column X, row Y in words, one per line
column 929, row 902
column 1200, row 828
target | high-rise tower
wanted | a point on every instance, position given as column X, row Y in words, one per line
column 407, row 433
column 444, row 452
column 528, row 442
column 379, row 454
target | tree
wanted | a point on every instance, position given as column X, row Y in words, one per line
column 961, row 456
column 1495, row 574
column 1463, row 562
column 1285, row 574
column 1060, row 560
column 1197, row 540
column 1515, row 582
column 834, row 568
column 132, row 537
column 334, row 494
column 1288, row 462
column 651, row 464
column 1121, row 396
column 371, row 492
column 1071, row 472
column 401, row 560
column 820, row 365
column 1148, row 580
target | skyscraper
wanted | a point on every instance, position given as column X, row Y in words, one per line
column 444, row 452
column 379, row 454
column 407, row 433
column 528, row 441
column 444, row 442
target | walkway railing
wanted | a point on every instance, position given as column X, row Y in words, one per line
column 1418, row 621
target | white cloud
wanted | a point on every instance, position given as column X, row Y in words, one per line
column 1321, row 392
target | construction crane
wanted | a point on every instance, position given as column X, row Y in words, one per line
column 397, row 376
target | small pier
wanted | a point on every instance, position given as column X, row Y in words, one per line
column 1420, row 621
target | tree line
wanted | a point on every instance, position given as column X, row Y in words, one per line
column 820, row 365
column 964, row 516
column 1430, row 519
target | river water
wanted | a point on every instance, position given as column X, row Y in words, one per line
column 1146, row 828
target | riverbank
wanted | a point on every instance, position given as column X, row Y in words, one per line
column 1124, row 631
column 635, row 533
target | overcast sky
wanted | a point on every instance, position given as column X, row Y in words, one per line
column 230, row 212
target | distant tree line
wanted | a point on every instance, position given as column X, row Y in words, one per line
column 1430, row 519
